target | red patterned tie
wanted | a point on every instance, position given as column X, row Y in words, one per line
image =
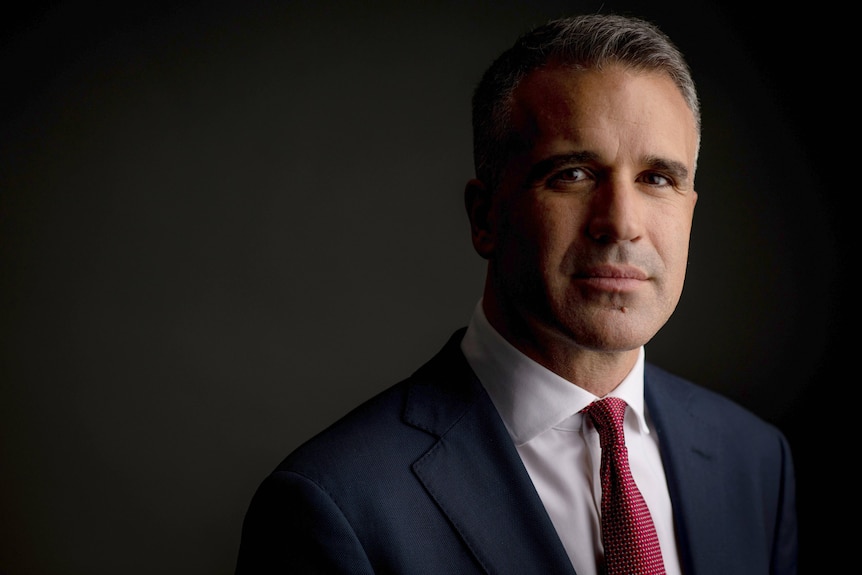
column 628, row 534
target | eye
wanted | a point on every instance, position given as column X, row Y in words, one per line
column 656, row 179
column 569, row 176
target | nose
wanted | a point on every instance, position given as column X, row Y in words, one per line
column 615, row 212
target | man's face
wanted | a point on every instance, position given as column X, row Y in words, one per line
column 587, row 235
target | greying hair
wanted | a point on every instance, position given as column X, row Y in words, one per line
column 580, row 42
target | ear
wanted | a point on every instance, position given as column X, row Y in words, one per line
column 478, row 201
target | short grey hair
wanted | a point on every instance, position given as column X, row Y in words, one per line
column 581, row 42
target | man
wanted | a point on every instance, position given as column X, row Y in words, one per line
column 586, row 136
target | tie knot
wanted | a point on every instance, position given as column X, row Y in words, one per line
column 608, row 415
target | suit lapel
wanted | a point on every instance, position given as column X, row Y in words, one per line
column 693, row 459
column 474, row 473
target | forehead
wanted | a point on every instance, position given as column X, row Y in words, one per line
column 615, row 105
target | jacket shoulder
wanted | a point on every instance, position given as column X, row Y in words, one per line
column 398, row 423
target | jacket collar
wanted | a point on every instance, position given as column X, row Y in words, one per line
column 693, row 455
column 474, row 473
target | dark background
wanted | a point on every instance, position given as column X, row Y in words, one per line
column 222, row 226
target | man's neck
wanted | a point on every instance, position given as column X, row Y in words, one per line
column 596, row 371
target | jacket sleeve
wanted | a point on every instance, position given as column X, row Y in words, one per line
column 293, row 526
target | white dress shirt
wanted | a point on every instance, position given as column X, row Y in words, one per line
column 560, row 448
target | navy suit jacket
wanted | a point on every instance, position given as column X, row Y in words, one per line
column 424, row 479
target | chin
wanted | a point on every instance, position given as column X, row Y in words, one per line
column 612, row 330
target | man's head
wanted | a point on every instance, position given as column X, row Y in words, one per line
column 589, row 41
column 584, row 193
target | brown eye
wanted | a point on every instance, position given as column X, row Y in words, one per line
column 569, row 175
column 655, row 179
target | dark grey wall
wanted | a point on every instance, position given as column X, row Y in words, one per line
column 222, row 228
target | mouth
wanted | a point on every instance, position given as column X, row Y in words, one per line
column 612, row 277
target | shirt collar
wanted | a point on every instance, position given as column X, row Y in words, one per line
column 529, row 397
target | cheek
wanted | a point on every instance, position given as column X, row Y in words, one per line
column 556, row 248
column 560, row 222
column 541, row 228
column 673, row 245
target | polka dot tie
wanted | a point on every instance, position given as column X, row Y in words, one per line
column 628, row 534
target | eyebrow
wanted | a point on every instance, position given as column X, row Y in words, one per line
column 540, row 170
column 677, row 169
